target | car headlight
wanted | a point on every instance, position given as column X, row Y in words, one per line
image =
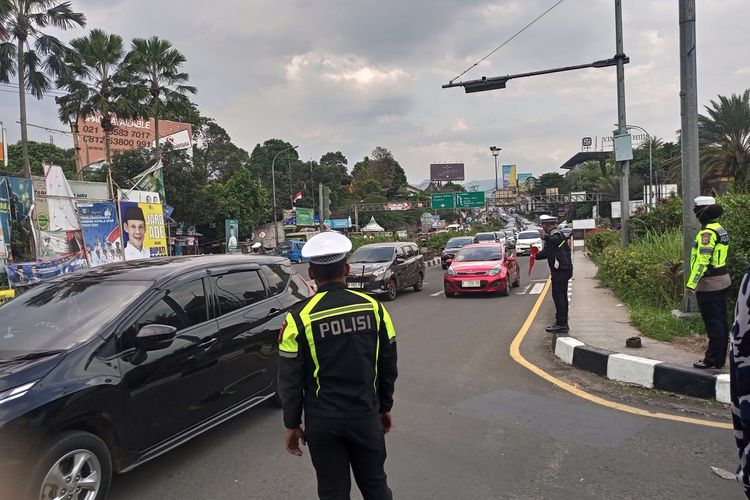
column 379, row 271
column 451, row 272
column 16, row 392
column 495, row 270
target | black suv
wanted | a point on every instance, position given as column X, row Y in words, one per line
column 104, row 369
column 453, row 246
column 385, row 268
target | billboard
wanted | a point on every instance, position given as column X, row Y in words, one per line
column 29, row 273
column 522, row 178
column 231, row 230
column 446, row 171
column 143, row 233
column 509, row 176
column 101, row 233
column 82, row 190
column 305, row 217
column 127, row 135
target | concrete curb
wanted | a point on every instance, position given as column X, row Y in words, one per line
column 640, row 371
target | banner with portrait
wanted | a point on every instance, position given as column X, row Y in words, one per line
column 29, row 273
column 101, row 232
column 143, row 233
column 231, row 227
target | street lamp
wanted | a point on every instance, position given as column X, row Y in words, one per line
column 273, row 189
column 495, row 152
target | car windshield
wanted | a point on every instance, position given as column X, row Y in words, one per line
column 458, row 242
column 61, row 314
column 477, row 254
column 372, row 254
column 486, row 236
column 528, row 235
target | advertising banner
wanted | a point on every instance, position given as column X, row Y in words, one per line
column 5, row 208
column 101, row 233
column 6, row 295
column 139, row 196
column 144, row 235
column 231, row 230
column 29, row 273
column 21, row 194
column 510, row 178
column 305, row 217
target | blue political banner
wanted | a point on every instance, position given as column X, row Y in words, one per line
column 101, row 232
column 21, row 195
column 5, row 208
column 29, row 273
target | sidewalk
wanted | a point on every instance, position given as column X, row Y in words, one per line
column 600, row 325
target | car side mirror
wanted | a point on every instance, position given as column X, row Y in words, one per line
column 155, row 337
column 449, row 261
column 400, row 260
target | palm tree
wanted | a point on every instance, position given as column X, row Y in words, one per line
column 21, row 21
column 725, row 137
column 157, row 64
column 103, row 85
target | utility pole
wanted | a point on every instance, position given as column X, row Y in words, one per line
column 622, row 127
column 689, row 135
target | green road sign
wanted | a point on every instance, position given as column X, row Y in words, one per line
column 470, row 200
column 305, row 217
column 443, row 200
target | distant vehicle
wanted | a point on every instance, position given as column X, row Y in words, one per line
column 482, row 268
column 453, row 246
column 488, row 237
column 528, row 239
column 510, row 235
column 386, row 268
column 453, row 227
column 107, row 368
column 292, row 250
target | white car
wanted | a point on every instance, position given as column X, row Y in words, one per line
column 527, row 239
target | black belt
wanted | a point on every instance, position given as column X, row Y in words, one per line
column 716, row 271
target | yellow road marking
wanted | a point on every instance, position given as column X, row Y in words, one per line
column 515, row 353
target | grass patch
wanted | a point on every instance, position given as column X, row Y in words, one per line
column 659, row 324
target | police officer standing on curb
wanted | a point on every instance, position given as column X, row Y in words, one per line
column 338, row 363
column 709, row 278
column 558, row 254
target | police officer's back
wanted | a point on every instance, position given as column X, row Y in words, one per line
column 558, row 255
column 338, row 366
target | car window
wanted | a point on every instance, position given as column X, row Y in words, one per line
column 238, row 289
column 277, row 277
column 299, row 287
column 183, row 307
column 414, row 250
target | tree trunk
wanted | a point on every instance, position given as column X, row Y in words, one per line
column 77, row 149
column 156, row 133
column 22, row 100
column 109, row 164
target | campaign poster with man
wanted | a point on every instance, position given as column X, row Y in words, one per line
column 230, row 226
column 101, row 232
column 143, row 231
column 30, row 273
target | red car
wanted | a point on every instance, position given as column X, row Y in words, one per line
column 482, row 268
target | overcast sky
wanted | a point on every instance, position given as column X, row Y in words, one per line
column 350, row 75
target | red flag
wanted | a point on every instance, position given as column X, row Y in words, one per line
column 534, row 250
column 297, row 196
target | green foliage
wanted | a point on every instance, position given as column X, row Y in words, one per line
column 658, row 322
column 665, row 216
column 597, row 242
column 243, row 198
column 39, row 153
column 736, row 221
column 358, row 241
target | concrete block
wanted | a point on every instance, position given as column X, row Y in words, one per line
column 591, row 359
column 722, row 388
column 684, row 380
column 631, row 369
column 565, row 347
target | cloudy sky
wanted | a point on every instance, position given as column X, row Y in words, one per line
column 350, row 75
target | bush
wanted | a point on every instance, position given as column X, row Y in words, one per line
column 666, row 216
column 736, row 221
column 597, row 242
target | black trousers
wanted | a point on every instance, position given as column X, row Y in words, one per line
column 713, row 307
column 338, row 445
column 560, row 278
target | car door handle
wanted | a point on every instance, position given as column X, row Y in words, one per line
column 273, row 311
column 208, row 343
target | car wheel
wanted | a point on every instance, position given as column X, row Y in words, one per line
column 299, row 260
column 419, row 285
column 506, row 290
column 76, row 465
column 450, row 294
column 392, row 290
column 517, row 282
column 444, row 266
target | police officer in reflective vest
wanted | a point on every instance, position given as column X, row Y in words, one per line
column 338, row 364
column 558, row 255
column 709, row 278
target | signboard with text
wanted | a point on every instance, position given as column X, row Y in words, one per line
column 443, row 200
column 447, row 172
column 305, row 216
column 470, row 200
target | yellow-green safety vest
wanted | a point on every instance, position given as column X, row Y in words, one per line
column 709, row 254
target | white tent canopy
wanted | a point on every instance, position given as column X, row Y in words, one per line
column 373, row 227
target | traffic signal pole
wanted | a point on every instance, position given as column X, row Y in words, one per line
column 622, row 127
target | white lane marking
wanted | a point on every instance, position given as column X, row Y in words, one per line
column 523, row 290
column 538, row 287
column 538, row 281
column 436, row 294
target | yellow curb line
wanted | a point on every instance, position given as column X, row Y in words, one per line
column 515, row 353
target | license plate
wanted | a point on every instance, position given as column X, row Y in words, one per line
column 354, row 285
column 471, row 284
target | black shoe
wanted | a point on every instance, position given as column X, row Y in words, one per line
column 703, row 365
column 558, row 328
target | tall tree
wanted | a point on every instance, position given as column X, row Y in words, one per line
column 725, row 138
column 158, row 66
column 245, row 199
column 21, row 20
column 216, row 152
column 103, row 84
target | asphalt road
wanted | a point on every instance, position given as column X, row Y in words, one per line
column 469, row 423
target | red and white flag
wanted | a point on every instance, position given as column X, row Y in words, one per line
column 297, row 196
